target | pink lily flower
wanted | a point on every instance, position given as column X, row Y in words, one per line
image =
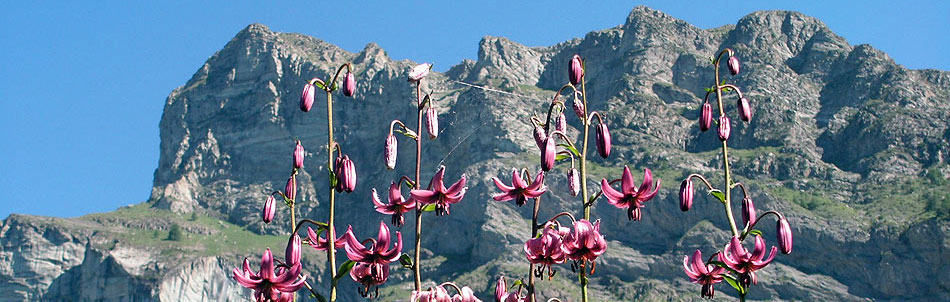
column 439, row 195
column 585, row 243
column 630, row 197
column 322, row 243
column 378, row 253
column 369, row 275
column 270, row 284
column 397, row 204
column 519, row 190
column 467, row 295
column 701, row 273
column 745, row 263
column 502, row 294
column 545, row 250
column 419, row 71
column 437, row 294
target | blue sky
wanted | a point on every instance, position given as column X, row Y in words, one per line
column 82, row 86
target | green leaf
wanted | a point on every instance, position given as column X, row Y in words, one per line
column 319, row 85
column 755, row 232
column 344, row 269
column 708, row 89
column 516, row 283
column 572, row 149
column 333, row 179
column 735, row 284
column 405, row 260
column 319, row 297
column 721, row 196
column 408, row 133
column 594, row 197
column 428, row 208
column 561, row 157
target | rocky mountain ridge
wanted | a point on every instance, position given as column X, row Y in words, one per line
column 850, row 145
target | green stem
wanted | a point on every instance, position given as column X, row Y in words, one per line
column 331, row 238
column 417, row 278
column 725, row 156
column 293, row 223
column 583, row 160
column 534, row 233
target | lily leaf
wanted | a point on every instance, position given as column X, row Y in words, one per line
column 719, row 195
column 408, row 133
column 344, row 269
column 405, row 260
column 561, row 157
column 319, row 85
column 755, row 232
column 735, row 284
column 428, row 208
column 333, row 179
column 572, row 149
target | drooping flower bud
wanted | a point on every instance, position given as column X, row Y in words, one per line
column 603, row 140
column 389, row 153
column 419, row 71
column 298, row 156
column 290, row 190
column 548, row 152
column 292, row 253
column 705, row 117
column 686, row 195
column 576, row 70
column 784, row 236
column 574, row 181
column 346, row 174
column 578, row 103
column 733, row 65
column 432, row 122
column 349, row 84
column 270, row 207
column 748, row 211
column 560, row 123
column 724, row 128
column 745, row 111
column 306, row 97
column 539, row 135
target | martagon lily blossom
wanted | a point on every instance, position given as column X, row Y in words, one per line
column 270, row 284
column 545, row 250
column 322, row 243
column 701, row 273
column 397, row 205
column 520, row 191
column 630, row 197
column 745, row 263
column 439, row 195
column 585, row 242
column 372, row 262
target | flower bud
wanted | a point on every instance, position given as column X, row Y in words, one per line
column 432, row 122
column 290, row 191
column 298, row 156
column 686, row 195
column 573, row 181
column 560, row 123
column 539, row 135
column 603, row 140
column 548, row 152
column 724, row 128
column 579, row 106
column 270, row 207
column 349, row 84
column 745, row 111
column 419, row 71
column 338, row 172
column 733, row 65
column 705, row 118
column 292, row 253
column 346, row 174
column 748, row 211
column 784, row 236
column 306, row 97
column 390, row 152
column 576, row 70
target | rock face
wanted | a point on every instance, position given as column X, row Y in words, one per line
column 832, row 125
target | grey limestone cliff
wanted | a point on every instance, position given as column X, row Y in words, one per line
column 852, row 146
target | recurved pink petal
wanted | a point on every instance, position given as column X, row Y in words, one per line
column 501, row 186
column 267, row 265
column 382, row 240
column 517, row 181
column 456, row 188
column 647, row 181
column 424, row 196
column 613, row 197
